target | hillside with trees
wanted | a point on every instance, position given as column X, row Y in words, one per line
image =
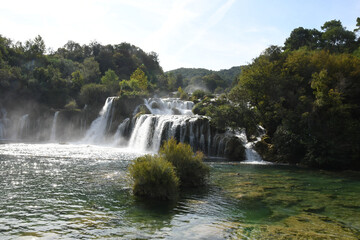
column 192, row 79
column 306, row 96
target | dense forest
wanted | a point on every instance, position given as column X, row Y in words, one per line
column 304, row 94
column 75, row 75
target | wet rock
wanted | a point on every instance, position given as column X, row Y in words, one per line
column 155, row 105
column 265, row 149
column 234, row 149
column 175, row 111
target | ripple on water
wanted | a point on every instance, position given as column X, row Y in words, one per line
column 78, row 191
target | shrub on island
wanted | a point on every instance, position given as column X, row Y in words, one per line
column 154, row 177
column 190, row 168
column 160, row 176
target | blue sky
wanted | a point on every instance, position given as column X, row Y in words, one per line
column 212, row 34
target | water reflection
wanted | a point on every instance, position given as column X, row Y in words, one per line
column 80, row 191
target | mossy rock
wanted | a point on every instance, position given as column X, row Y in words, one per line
column 143, row 109
column 234, row 149
column 266, row 150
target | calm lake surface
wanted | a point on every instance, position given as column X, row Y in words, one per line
column 53, row 191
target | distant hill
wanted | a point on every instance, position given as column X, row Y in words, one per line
column 226, row 74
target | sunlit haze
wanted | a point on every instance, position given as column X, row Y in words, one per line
column 216, row 34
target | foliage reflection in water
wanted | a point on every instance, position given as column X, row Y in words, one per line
column 80, row 191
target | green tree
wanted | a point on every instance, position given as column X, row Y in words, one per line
column 301, row 37
column 139, row 80
column 336, row 38
column 90, row 70
column 77, row 81
column 72, row 51
column 357, row 25
column 111, row 81
column 35, row 48
column 110, row 78
column 93, row 94
column 212, row 81
column 49, row 87
column 171, row 82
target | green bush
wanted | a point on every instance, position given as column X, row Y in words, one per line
column 190, row 168
column 199, row 94
column 93, row 94
column 71, row 105
column 154, row 177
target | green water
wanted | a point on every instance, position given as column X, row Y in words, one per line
column 292, row 203
column 52, row 191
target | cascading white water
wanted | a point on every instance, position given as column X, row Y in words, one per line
column 167, row 115
column 23, row 127
column 3, row 123
column 168, row 118
column 251, row 156
column 120, row 133
column 169, row 106
column 2, row 130
column 97, row 131
column 150, row 130
column 53, row 127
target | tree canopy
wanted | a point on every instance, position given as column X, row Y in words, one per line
column 307, row 99
column 27, row 71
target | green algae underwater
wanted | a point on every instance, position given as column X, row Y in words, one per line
column 53, row 191
column 285, row 202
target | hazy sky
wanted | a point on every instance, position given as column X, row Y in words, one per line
column 213, row 34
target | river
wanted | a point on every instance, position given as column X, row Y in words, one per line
column 77, row 191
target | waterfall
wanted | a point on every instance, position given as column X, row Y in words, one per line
column 169, row 106
column 2, row 130
column 3, row 123
column 53, row 128
column 23, row 127
column 151, row 130
column 251, row 156
column 97, row 131
column 122, row 129
column 168, row 117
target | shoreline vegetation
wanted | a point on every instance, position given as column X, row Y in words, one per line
column 304, row 94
